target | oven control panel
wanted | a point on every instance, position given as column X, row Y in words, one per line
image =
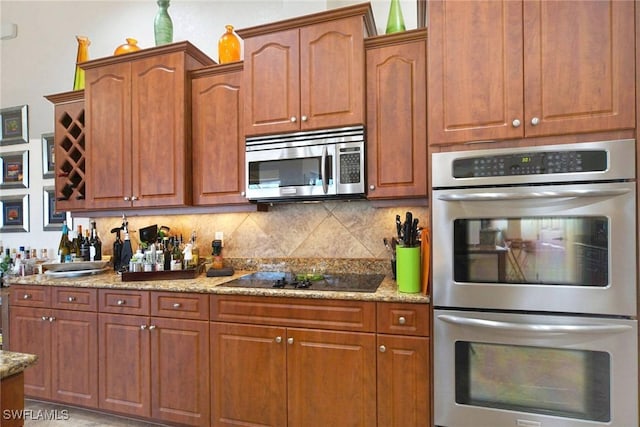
column 535, row 163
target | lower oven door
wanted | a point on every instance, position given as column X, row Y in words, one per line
column 506, row 369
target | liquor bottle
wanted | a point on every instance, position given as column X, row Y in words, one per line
column 95, row 245
column 64, row 252
column 195, row 252
column 85, row 247
column 166, row 253
column 176, row 255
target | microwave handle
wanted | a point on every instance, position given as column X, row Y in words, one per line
column 323, row 170
column 527, row 327
column 483, row 197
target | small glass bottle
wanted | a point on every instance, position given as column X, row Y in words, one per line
column 228, row 46
column 64, row 252
column 162, row 25
column 82, row 56
column 395, row 21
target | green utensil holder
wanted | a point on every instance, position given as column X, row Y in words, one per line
column 408, row 269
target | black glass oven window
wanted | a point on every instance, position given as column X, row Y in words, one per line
column 542, row 250
column 302, row 172
column 557, row 382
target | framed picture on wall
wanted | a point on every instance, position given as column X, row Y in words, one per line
column 48, row 156
column 15, row 214
column 14, row 127
column 52, row 220
column 15, row 169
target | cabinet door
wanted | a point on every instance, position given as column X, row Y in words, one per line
column 180, row 371
column 124, row 354
column 272, row 83
column 108, row 126
column 218, row 139
column 331, row 378
column 403, row 381
column 579, row 66
column 159, row 138
column 397, row 121
column 248, row 376
column 332, row 82
column 74, row 357
column 30, row 332
column 475, row 75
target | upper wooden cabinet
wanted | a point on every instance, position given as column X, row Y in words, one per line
column 138, row 127
column 512, row 69
column 397, row 115
column 218, row 135
column 306, row 73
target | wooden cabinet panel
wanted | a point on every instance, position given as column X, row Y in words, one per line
column 124, row 301
column 180, row 305
column 124, row 360
column 396, row 116
column 403, row 381
column 68, row 298
column 403, row 319
column 331, row 378
column 248, row 375
column 218, row 136
column 180, row 371
column 30, row 296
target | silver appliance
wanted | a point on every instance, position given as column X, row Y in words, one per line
column 308, row 165
column 535, row 287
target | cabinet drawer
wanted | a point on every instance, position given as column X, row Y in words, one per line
column 75, row 299
column 301, row 312
column 30, row 296
column 123, row 301
column 403, row 319
column 180, row 305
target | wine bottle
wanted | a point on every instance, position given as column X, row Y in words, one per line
column 64, row 252
column 85, row 251
column 95, row 245
column 195, row 252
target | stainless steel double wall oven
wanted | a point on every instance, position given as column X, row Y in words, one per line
column 535, row 287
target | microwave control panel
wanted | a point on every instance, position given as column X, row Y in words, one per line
column 535, row 163
column 350, row 167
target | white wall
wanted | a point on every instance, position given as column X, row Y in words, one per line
column 41, row 59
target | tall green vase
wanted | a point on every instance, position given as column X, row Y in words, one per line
column 162, row 25
column 395, row 22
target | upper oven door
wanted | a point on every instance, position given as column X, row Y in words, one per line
column 303, row 171
column 555, row 248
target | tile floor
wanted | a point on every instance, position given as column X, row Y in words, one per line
column 44, row 414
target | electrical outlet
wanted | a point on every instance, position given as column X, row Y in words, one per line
column 219, row 235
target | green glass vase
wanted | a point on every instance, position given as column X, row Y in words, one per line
column 82, row 56
column 162, row 25
column 395, row 22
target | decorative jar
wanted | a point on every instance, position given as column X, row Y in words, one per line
column 130, row 46
column 228, row 46
column 162, row 25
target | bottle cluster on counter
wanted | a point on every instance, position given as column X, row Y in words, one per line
column 74, row 246
column 22, row 261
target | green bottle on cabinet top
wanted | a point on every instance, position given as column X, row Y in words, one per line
column 395, row 22
column 162, row 25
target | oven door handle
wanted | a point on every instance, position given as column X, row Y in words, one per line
column 532, row 327
column 483, row 197
column 323, row 170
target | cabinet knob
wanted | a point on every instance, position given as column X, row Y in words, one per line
column 143, row 327
column 402, row 320
column 242, row 193
column 152, row 327
column 290, row 340
column 26, row 296
column 516, row 123
column 121, row 302
column 51, row 319
column 293, row 119
column 134, row 198
column 45, row 318
column 383, row 349
column 126, row 198
column 372, row 187
column 535, row 121
column 177, row 305
column 278, row 339
column 304, row 118
column 71, row 299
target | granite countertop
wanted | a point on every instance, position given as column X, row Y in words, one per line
column 387, row 291
column 12, row 363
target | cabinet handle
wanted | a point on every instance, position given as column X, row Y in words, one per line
column 372, row 187
column 45, row 318
column 278, row 339
column 121, row 302
column 143, row 327
column 242, row 193
column 134, row 198
column 304, row 118
column 126, row 198
column 26, row 296
column 290, row 340
column 71, row 299
column 176, row 305
column 535, row 121
column 51, row 319
column 152, row 327
column 383, row 349
column 402, row 320
column 516, row 123
column 293, row 119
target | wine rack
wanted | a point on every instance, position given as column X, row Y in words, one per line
column 69, row 139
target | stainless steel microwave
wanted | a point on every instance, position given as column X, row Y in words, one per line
column 310, row 165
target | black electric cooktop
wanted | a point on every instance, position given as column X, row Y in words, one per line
column 347, row 282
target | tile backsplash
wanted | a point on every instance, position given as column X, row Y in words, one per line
column 298, row 230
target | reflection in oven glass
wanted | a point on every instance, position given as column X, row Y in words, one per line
column 567, row 383
column 541, row 250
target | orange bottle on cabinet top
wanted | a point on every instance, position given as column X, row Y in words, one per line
column 228, row 46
